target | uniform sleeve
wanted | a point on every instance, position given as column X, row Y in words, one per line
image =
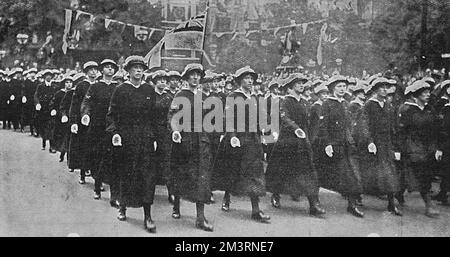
column 65, row 104
column 324, row 124
column 112, row 117
column 285, row 117
column 36, row 95
column 74, row 111
column 404, row 124
column 88, row 99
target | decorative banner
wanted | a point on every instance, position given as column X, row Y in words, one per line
column 68, row 21
column 322, row 38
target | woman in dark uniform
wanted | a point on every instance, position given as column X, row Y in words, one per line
column 78, row 150
column 378, row 174
column 42, row 97
column 28, row 90
column 61, row 129
column 191, row 157
column 335, row 149
column 130, row 123
column 93, row 115
column 290, row 169
column 15, row 97
column 419, row 129
column 239, row 169
column 321, row 92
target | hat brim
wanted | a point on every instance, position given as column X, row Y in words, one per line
column 116, row 67
column 253, row 74
column 90, row 67
column 132, row 64
column 188, row 72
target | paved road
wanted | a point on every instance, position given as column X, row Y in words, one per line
column 39, row 197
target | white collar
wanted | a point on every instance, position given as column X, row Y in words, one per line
column 296, row 98
column 242, row 92
column 48, row 84
column 206, row 93
column 189, row 89
column 305, row 98
column 358, row 101
column 336, row 99
column 158, row 92
column 129, row 83
column 318, row 102
column 88, row 81
column 415, row 104
column 377, row 101
column 106, row 82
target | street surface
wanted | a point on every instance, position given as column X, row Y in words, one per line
column 39, row 197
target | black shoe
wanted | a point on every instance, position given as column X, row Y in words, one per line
column 359, row 203
column 261, row 217
column 97, row 196
column 355, row 212
column 71, row 170
column 149, row 225
column 51, row 151
column 204, row 225
column 114, row 204
column 176, row 214
column 400, row 199
column 226, row 206
column 316, row 210
column 171, row 199
column 275, row 200
column 82, row 181
column 394, row 210
column 102, row 189
column 122, row 215
column 443, row 199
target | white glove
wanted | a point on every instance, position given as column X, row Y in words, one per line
column 397, row 156
column 329, row 150
column 221, row 138
column 53, row 113
column 117, row 140
column 235, row 142
column 74, row 128
column 372, row 148
column 38, row 107
column 85, row 120
column 12, row 98
column 300, row 133
column 275, row 136
column 64, row 119
column 176, row 137
column 438, row 155
column 24, row 99
column 155, row 145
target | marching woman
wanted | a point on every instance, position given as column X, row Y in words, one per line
column 321, row 92
column 60, row 129
column 28, row 90
column 15, row 95
column 93, row 115
column 239, row 169
column 419, row 133
column 290, row 168
column 444, row 144
column 42, row 97
column 191, row 157
column 78, row 150
column 335, row 147
column 131, row 126
column 378, row 174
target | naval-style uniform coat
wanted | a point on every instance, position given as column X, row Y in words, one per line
column 15, row 92
column 444, row 146
column 290, row 168
column 78, row 149
column 131, row 115
column 314, row 120
column 340, row 172
column 4, row 100
column 419, row 130
column 95, row 104
column 59, row 128
column 28, row 110
column 191, row 160
column 240, row 170
column 43, row 96
column 378, row 173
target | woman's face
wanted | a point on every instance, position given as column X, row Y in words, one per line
column 92, row 72
column 323, row 95
column 424, row 97
column 68, row 84
column 382, row 91
column 340, row 89
column 247, row 82
column 136, row 72
column 299, row 87
column 161, row 82
column 194, row 79
column 108, row 70
column 173, row 82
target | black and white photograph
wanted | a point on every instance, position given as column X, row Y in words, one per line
column 250, row 119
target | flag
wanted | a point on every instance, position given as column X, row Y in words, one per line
column 68, row 21
column 182, row 45
column 321, row 39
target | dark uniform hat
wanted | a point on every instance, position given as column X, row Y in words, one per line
column 376, row 83
column 335, row 80
column 134, row 60
column 89, row 65
column 47, row 72
column 240, row 73
column 16, row 70
column 294, row 77
column 174, row 74
column 191, row 68
column 274, row 83
column 159, row 74
column 416, row 86
column 110, row 62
